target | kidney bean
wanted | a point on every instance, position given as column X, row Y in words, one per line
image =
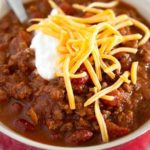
column 116, row 131
column 82, row 68
column 80, row 80
column 79, row 136
column 24, row 125
column 79, row 84
column 80, row 88
column 92, row 118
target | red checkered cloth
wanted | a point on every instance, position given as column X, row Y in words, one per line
column 141, row 143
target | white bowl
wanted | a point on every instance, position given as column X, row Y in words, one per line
column 143, row 7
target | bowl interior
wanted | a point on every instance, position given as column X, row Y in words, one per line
column 143, row 8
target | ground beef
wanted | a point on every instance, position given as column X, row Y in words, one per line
column 125, row 119
column 20, row 42
column 16, row 107
column 46, row 99
column 19, row 90
column 144, row 52
column 3, row 53
column 3, row 96
column 22, row 60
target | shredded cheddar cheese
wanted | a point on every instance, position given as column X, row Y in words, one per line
column 53, row 5
column 92, row 74
column 93, row 42
column 73, row 76
column 144, row 28
column 68, row 83
column 101, row 120
column 124, row 24
column 132, row 37
column 103, row 4
column 106, row 97
column 97, row 18
column 123, row 49
column 85, row 9
column 134, row 69
column 103, row 92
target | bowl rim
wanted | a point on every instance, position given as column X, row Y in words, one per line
column 10, row 133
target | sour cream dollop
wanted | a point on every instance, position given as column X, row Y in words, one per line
column 46, row 55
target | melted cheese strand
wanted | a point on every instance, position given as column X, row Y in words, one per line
column 134, row 69
column 115, row 86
